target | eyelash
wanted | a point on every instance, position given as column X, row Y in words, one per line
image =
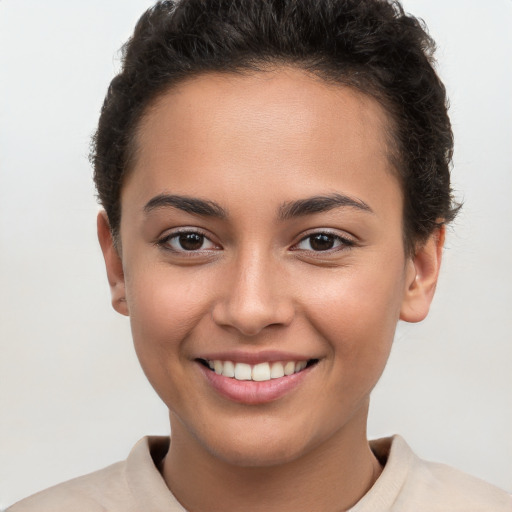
column 339, row 242
column 165, row 241
column 343, row 243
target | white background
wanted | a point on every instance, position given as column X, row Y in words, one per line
column 72, row 397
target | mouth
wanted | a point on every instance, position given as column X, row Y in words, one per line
column 260, row 372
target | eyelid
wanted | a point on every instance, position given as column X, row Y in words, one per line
column 163, row 240
column 346, row 241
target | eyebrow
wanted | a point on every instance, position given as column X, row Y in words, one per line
column 187, row 204
column 319, row 204
column 288, row 210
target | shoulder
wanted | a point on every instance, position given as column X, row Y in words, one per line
column 92, row 493
column 410, row 483
column 121, row 487
column 456, row 490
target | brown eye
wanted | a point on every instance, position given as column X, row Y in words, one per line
column 318, row 242
column 191, row 241
column 187, row 241
column 321, row 242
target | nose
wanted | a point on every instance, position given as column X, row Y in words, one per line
column 254, row 297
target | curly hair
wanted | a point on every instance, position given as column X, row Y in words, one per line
column 371, row 45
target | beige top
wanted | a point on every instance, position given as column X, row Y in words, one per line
column 407, row 484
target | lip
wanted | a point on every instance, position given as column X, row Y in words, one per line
column 251, row 392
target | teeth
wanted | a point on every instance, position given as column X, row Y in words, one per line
column 243, row 371
column 289, row 368
column 228, row 369
column 277, row 371
column 300, row 366
column 259, row 372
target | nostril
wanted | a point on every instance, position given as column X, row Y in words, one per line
column 250, row 317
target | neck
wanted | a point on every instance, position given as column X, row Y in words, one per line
column 330, row 478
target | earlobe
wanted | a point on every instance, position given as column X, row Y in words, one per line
column 421, row 279
column 113, row 264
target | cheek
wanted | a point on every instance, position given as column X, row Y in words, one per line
column 164, row 307
column 356, row 312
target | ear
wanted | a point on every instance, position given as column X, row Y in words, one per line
column 113, row 263
column 421, row 277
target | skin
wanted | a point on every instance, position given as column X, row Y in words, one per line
column 253, row 144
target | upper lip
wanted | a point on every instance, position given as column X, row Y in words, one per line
column 252, row 358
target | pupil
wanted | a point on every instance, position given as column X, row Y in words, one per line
column 322, row 242
column 191, row 241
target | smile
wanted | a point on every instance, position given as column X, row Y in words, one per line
column 250, row 380
column 259, row 372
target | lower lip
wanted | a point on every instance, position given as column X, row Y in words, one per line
column 252, row 392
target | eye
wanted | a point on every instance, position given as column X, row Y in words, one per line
column 187, row 241
column 323, row 242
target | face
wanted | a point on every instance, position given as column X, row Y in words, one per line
column 262, row 262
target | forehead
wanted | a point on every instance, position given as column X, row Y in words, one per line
column 282, row 128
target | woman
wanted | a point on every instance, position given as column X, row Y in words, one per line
column 275, row 183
